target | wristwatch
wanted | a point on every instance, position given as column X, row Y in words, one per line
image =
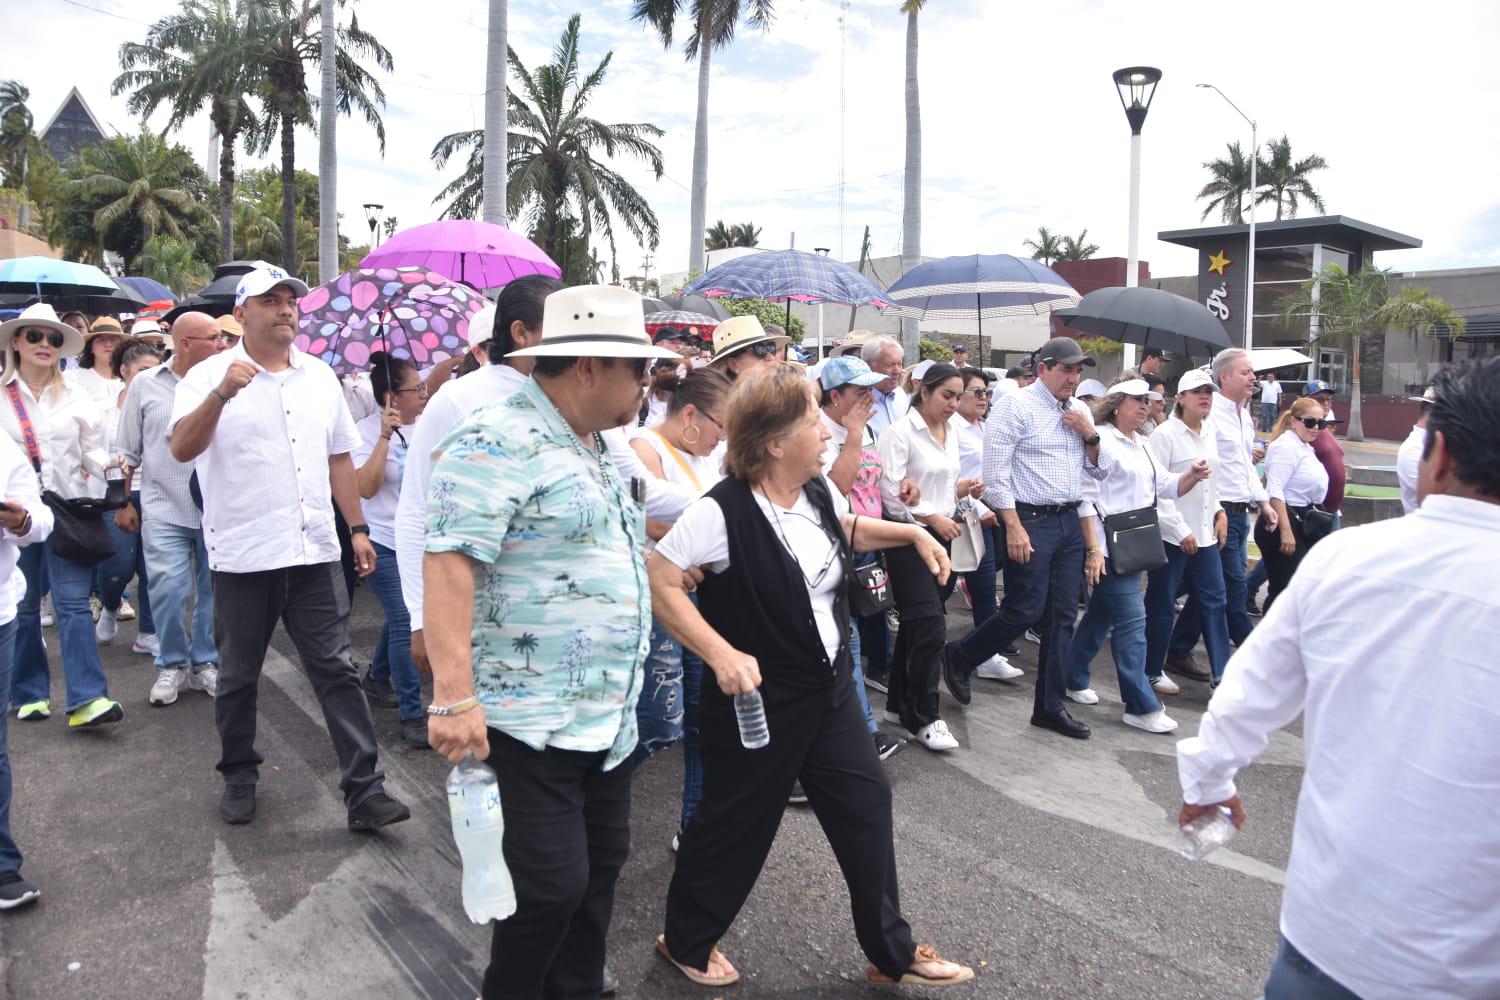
column 1091, row 442
column 359, row 529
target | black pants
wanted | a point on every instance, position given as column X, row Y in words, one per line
column 823, row 739
column 567, row 835
column 313, row 604
column 916, row 661
column 1280, row 568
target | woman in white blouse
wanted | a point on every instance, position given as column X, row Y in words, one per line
column 67, row 442
column 1194, row 528
column 1296, row 482
column 979, row 585
column 1115, row 605
column 923, row 445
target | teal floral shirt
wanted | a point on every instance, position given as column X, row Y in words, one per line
column 562, row 607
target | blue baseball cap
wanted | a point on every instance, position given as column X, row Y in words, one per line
column 847, row 370
column 1316, row 386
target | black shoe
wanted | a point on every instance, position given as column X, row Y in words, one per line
column 414, row 732
column 611, row 984
column 237, row 804
column 376, row 811
column 1062, row 723
column 1252, row 609
column 798, row 796
column 878, row 682
column 383, row 695
column 16, row 892
column 956, row 677
column 887, row 746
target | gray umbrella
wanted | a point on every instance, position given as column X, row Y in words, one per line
column 1148, row 317
column 697, row 304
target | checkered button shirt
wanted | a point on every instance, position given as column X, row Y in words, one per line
column 1031, row 456
column 142, row 439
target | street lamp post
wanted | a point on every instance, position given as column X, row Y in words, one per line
column 1250, row 267
column 372, row 216
column 1138, row 83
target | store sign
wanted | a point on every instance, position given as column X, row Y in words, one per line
column 1217, row 300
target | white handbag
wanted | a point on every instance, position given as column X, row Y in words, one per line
column 968, row 548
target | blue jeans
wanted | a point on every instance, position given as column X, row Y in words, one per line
column 115, row 572
column 1204, row 574
column 10, row 855
column 981, row 582
column 859, row 679
column 1293, row 977
column 392, row 659
column 1232, row 559
column 1258, row 578
column 1267, row 416
column 658, row 711
column 1115, row 609
column 178, row 563
column 82, row 671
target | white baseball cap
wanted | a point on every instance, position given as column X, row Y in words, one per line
column 482, row 325
column 1195, row 378
column 262, row 278
column 1090, row 387
column 1135, row 387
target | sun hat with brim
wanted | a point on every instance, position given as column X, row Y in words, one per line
column 263, row 277
column 1134, row 387
column 44, row 316
column 482, row 325
column 1429, row 396
column 146, row 328
column 841, row 371
column 228, row 324
column 1091, row 387
column 106, row 324
column 594, row 321
column 1195, row 378
column 919, row 370
column 737, row 333
column 854, row 342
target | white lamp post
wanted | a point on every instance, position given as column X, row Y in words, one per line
column 1250, row 268
column 372, row 216
column 1138, row 83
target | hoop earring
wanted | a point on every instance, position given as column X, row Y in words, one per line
column 698, row 435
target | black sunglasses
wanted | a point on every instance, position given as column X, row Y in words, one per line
column 53, row 337
column 765, row 349
column 1314, row 424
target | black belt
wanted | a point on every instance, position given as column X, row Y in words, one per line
column 1046, row 508
column 1235, row 505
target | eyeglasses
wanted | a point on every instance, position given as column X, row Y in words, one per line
column 420, row 389
column 712, row 419
column 980, row 393
column 222, row 338
column 52, row 336
column 1314, row 424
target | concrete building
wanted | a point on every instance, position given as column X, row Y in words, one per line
column 72, row 128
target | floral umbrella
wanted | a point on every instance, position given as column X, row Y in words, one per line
column 411, row 312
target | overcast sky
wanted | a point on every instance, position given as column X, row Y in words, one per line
column 1021, row 124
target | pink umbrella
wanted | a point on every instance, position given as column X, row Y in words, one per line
column 478, row 254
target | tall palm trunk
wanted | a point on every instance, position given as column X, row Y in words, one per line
column 289, row 182
column 1356, row 430
column 496, row 119
column 328, row 168
column 911, row 216
column 698, row 212
column 226, row 199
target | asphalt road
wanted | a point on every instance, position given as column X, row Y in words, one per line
column 1044, row 862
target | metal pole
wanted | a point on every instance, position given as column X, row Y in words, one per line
column 1133, row 254
column 1250, row 267
column 820, row 331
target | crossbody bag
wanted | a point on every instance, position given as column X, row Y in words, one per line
column 1134, row 536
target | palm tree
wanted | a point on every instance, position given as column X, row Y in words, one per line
column 1342, row 309
column 328, row 162
column 911, row 190
column 554, row 175
column 1046, row 247
column 16, row 137
column 1283, row 181
column 135, row 173
column 722, row 237
column 173, row 263
column 1078, row 248
column 283, row 32
column 496, row 124
column 191, row 59
column 525, row 644
column 714, row 23
column 1229, row 187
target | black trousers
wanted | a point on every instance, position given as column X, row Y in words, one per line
column 567, row 835
column 313, row 604
column 823, row 739
column 1280, row 568
column 916, row 661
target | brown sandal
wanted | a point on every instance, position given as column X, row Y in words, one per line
column 701, row 978
column 924, row 953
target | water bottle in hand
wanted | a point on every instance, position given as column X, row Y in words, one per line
column 751, row 712
column 478, row 828
column 1204, row 835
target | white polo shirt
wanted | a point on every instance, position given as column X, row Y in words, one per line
column 267, row 502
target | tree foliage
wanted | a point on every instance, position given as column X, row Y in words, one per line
column 1228, row 185
column 1077, row 247
column 1283, row 181
column 722, row 237
column 768, row 313
column 1046, row 247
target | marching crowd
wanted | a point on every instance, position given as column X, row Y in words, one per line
column 598, row 546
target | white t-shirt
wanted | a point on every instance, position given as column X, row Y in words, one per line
column 1270, row 392
column 701, row 538
column 380, row 509
column 1408, row 467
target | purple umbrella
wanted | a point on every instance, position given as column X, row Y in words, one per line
column 478, row 254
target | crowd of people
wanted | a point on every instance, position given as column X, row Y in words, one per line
column 600, row 547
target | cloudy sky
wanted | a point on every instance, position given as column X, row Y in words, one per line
column 1021, row 124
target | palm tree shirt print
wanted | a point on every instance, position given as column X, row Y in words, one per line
column 562, row 607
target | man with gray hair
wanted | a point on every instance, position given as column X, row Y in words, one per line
column 884, row 356
column 1240, row 492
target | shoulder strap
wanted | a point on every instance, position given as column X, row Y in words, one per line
column 28, row 433
column 681, row 462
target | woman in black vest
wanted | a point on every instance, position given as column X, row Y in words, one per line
column 774, row 540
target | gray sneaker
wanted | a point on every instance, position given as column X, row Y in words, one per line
column 168, row 683
column 206, row 679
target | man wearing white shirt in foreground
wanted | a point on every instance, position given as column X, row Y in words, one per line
column 1409, row 457
column 270, row 435
column 1393, row 888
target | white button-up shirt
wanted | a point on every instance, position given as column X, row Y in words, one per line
column 1031, row 456
column 69, row 430
column 907, row 448
column 970, row 446
column 1408, row 465
column 1177, row 449
column 267, row 501
column 889, row 408
column 1293, row 473
column 1393, row 888
column 1134, row 479
column 1235, row 429
column 20, row 484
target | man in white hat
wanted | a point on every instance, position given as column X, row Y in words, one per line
column 741, row 343
column 1409, row 457
column 538, row 617
column 271, row 437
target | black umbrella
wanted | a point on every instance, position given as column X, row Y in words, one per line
column 1148, row 317
column 98, row 302
column 697, row 304
column 217, row 297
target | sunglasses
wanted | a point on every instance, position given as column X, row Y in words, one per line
column 765, row 349
column 980, row 393
column 55, row 339
column 1314, row 424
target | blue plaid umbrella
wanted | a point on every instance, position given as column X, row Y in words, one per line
column 790, row 276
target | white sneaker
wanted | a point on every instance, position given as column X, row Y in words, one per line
column 935, row 736
column 1085, row 697
column 1152, row 722
column 205, row 680
column 146, row 644
column 894, row 718
column 997, row 668
column 168, row 682
column 48, row 618
column 1165, row 685
column 105, row 628
column 125, row 613
column 1031, row 636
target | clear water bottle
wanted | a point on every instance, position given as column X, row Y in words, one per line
column 478, row 827
column 1206, row 834
column 751, row 712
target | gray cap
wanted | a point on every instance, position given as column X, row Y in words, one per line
column 1063, row 351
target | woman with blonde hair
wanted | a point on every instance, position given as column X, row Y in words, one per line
column 1296, row 482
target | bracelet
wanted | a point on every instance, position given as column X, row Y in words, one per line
column 359, row 529
column 24, row 527
column 1092, row 550
column 454, row 709
column 222, row 398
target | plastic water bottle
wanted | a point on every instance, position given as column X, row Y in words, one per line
column 751, row 712
column 478, row 826
column 1206, row 834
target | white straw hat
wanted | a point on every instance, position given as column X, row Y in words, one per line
column 594, row 321
column 42, row 315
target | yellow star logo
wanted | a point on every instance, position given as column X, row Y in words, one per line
column 1218, row 262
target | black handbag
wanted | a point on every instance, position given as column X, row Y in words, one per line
column 1134, row 536
column 1317, row 524
column 869, row 585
